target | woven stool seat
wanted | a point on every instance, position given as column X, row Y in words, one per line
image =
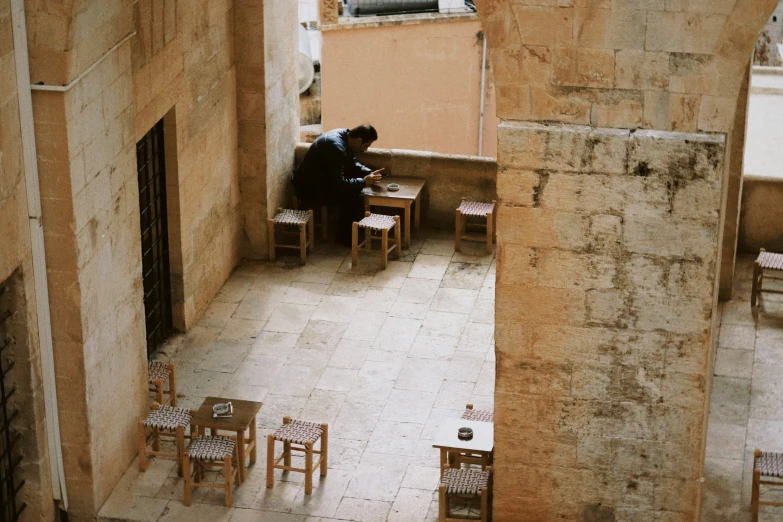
column 298, row 432
column 168, row 418
column 770, row 464
column 158, row 371
column 377, row 222
column 478, row 415
column 476, row 208
column 771, row 261
column 211, row 448
column 465, row 481
column 292, row 217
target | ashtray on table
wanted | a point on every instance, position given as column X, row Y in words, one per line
column 465, row 433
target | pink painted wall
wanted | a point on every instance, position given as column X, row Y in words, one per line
column 419, row 85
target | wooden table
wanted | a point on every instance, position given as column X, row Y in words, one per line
column 451, row 447
column 409, row 193
column 244, row 418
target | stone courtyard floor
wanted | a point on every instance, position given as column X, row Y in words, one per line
column 382, row 356
column 746, row 407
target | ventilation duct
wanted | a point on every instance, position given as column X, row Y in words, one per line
column 380, row 7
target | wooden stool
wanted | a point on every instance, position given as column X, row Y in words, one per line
column 765, row 261
column 475, row 209
column 288, row 217
column 159, row 373
column 765, row 465
column 483, row 460
column 305, row 434
column 163, row 421
column 324, row 212
column 215, row 454
column 379, row 223
column 469, row 483
column 477, row 415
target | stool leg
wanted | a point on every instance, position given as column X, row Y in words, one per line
column 142, row 447
column 324, row 448
column 228, row 481
column 397, row 242
column 302, row 243
column 270, row 236
column 755, row 492
column 173, row 384
column 308, row 468
column 490, row 227
column 443, row 506
column 180, row 436
column 355, row 244
column 188, row 478
column 311, row 242
column 484, row 505
column 159, row 391
column 155, row 439
column 270, row 460
column 755, row 284
column 286, row 455
column 324, row 223
column 384, row 248
column 458, row 234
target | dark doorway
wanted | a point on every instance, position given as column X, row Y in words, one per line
column 151, row 163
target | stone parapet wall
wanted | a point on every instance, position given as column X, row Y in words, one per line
column 761, row 215
column 449, row 178
column 606, row 270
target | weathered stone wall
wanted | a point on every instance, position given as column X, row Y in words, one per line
column 603, row 320
column 761, row 215
column 608, row 266
column 178, row 66
column 268, row 122
column 183, row 69
column 18, row 294
column 449, row 178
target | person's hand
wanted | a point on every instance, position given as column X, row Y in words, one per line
column 371, row 179
column 379, row 171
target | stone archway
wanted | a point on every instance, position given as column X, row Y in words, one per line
column 613, row 148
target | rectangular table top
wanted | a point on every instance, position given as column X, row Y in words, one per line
column 244, row 413
column 482, row 441
column 409, row 188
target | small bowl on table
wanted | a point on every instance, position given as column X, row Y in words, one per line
column 393, row 187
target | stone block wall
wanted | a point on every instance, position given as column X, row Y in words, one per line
column 267, row 120
column 18, row 295
column 449, row 178
column 183, row 71
column 178, row 66
column 606, row 268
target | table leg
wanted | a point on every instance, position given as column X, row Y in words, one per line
column 443, row 461
column 366, row 205
column 408, row 225
column 417, row 218
column 241, row 455
column 253, row 440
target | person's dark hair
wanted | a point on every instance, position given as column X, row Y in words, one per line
column 365, row 132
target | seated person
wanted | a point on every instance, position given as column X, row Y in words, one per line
column 330, row 174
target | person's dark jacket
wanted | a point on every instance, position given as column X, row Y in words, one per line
column 329, row 170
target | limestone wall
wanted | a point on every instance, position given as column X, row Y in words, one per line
column 606, row 266
column 761, row 215
column 18, row 295
column 178, row 66
column 449, row 178
column 268, row 123
column 417, row 79
column 183, row 69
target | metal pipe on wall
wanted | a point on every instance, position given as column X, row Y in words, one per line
column 30, row 159
column 483, row 88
